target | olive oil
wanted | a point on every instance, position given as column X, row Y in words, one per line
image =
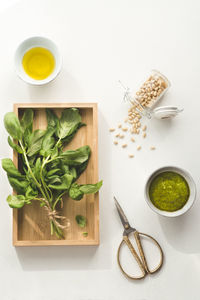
column 169, row 191
column 38, row 63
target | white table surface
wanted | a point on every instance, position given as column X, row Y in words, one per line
column 102, row 42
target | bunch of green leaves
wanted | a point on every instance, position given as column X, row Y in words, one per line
column 47, row 171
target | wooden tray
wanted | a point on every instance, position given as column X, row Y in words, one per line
column 30, row 223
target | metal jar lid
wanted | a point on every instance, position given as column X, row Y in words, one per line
column 166, row 112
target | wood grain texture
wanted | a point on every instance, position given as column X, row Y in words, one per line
column 30, row 224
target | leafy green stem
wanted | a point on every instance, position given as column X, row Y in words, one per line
column 46, row 188
column 52, row 159
column 29, row 168
column 58, row 141
column 47, row 160
column 52, row 228
column 50, row 192
column 42, row 179
column 55, row 203
column 58, row 231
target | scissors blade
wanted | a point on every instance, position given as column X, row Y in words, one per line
column 122, row 215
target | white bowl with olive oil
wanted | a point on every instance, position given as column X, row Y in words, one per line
column 37, row 60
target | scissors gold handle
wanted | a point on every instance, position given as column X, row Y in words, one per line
column 141, row 261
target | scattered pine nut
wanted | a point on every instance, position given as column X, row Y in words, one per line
column 144, row 128
column 132, row 139
column 115, row 142
column 152, row 148
column 121, row 136
column 117, row 135
column 131, row 155
column 112, row 129
column 126, row 120
column 124, row 145
column 120, row 125
column 125, row 129
column 139, row 148
column 144, row 135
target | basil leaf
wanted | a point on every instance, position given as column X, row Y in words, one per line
column 10, row 168
column 13, row 126
column 31, row 160
column 37, row 168
column 18, row 185
column 65, row 184
column 27, row 126
column 81, row 168
column 73, row 173
column 54, row 179
column 69, row 122
column 16, row 201
column 68, row 138
column 55, row 164
column 48, row 142
column 54, row 152
column 30, row 193
column 76, row 157
column 64, row 167
column 91, row 188
column 75, row 193
column 16, row 147
column 27, row 137
column 36, row 139
column 81, row 220
column 52, row 172
column 36, row 135
column 52, row 119
column 27, row 120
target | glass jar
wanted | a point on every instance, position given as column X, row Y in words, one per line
column 148, row 95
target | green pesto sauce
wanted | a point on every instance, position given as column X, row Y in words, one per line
column 169, row 191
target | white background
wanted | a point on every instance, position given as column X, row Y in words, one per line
column 102, row 42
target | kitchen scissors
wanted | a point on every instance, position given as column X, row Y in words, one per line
column 140, row 259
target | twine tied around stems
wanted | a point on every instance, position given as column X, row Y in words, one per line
column 54, row 216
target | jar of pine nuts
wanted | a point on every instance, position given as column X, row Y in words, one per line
column 148, row 95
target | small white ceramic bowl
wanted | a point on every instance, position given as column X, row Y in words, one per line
column 190, row 182
column 32, row 42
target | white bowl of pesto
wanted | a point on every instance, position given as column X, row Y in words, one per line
column 170, row 191
column 37, row 60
